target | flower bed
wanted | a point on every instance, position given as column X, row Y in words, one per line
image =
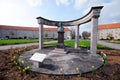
column 10, row 71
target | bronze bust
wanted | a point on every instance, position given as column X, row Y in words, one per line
column 60, row 27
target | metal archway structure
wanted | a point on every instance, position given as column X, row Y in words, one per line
column 92, row 16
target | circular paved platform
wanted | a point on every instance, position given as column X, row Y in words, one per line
column 68, row 62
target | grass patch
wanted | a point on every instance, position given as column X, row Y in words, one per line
column 47, row 40
column 21, row 41
column 82, row 43
column 17, row 41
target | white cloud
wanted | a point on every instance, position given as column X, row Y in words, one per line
column 92, row 3
column 16, row 13
column 35, row 2
column 110, row 12
column 80, row 3
column 64, row 2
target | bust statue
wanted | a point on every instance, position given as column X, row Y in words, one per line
column 60, row 27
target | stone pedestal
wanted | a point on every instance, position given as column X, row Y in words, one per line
column 37, row 59
column 60, row 39
column 36, row 64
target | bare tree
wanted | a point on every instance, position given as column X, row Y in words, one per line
column 85, row 35
column 72, row 32
column 109, row 36
column 46, row 35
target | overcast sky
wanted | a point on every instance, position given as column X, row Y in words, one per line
column 24, row 12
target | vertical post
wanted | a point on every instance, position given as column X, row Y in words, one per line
column 93, row 46
column 60, row 40
column 77, row 36
column 60, row 36
column 40, row 36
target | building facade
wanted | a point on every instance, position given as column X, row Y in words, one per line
column 106, row 31
column 7, row 32
column 109, row 31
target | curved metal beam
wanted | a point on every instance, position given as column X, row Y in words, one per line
column 94, row 12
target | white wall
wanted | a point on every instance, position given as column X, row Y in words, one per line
column 30, row 34
column 115, row 32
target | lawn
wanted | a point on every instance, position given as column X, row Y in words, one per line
column 82, row 43
column 17, row 41
column 20, row 41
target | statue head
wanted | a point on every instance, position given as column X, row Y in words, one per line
column 60, row 27
column 59, row 24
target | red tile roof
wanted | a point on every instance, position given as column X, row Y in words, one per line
column 28, row 28
column 108, row 26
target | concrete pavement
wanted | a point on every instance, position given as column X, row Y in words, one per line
column 110, row 45
column 5, row 47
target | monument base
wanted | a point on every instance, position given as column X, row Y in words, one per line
column 60, row 39
column 60, row 45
